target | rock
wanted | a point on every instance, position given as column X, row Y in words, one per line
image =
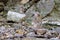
column 31, row 11
column 18, row 35
column 17, row 26
column 21, row 32
column 14, row 16
column 57, row 29
column 54, row 39
column 30, row 38
column 10, row 30
column 24, row 1
column 19, row 8
column 18, row 38
column 51, row 34
column 8, row 35
column 45, row 6
column 41, row 31
column 31, row 34
column 2, row 29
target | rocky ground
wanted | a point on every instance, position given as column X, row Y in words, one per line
column 29, row 20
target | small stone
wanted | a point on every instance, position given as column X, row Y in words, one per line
column 2, row 29
column 9, row 36
column 54, row 39
column 24, row 1
column 57, row 29
column 10, row 30
column 6, row 35
column 18, row 35
column 51, row 34
column 17, row 26
column 21, row 32
column 2, row 37
column 18, row 38
column 31, row 34
column 41, row 31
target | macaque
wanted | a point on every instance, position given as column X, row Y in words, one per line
column 37, row 21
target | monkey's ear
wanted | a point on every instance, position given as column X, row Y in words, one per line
column 24, row 1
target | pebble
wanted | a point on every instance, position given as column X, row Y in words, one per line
column 18, row 35
column 57, row 29
column 24, row 1
column 54, row 39
column 51, row 34
column 2, row 29
column 41, row 31
column 8, row 35
column 21, row 32
column 18, row 38
column 31, row 34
